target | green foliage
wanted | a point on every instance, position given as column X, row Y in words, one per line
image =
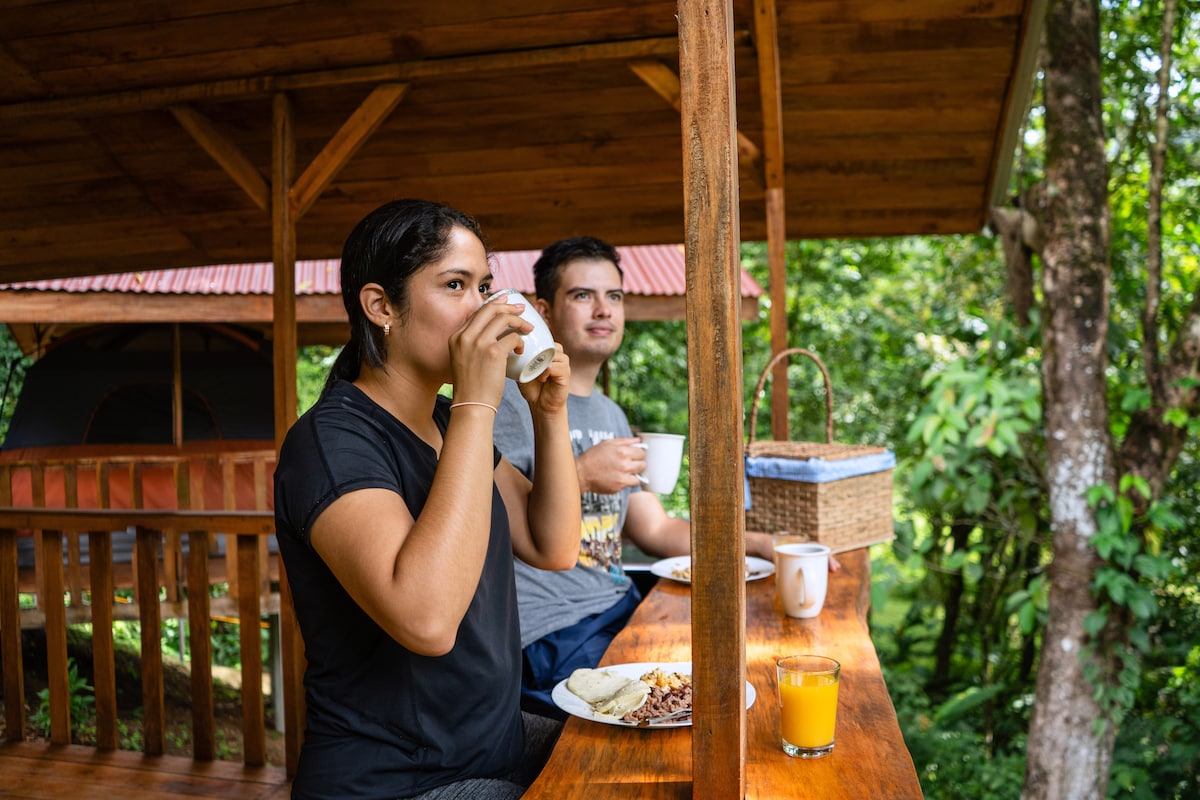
column 224, row 635
column 13, row 364
column 82, row 701
column 648, row 376
column 312, row 367
column 1129, row 588
column 654, row 354
column 953, row 758
column 976, row 437
column 1157, row 750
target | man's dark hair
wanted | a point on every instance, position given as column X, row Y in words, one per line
column 547, row 270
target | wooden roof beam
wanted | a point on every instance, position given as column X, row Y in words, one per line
column 263, row 85
column 225, row 153
column 1016, row 102
column 344, row 144
column 663, row 80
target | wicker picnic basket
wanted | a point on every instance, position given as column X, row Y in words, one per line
column 837, row 494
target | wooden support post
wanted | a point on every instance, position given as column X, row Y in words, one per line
column 37, row 488
column 284, row 248
column 10, row 633
column 229, row 498
column 154, row 733
column 254, row 744
column 204, row 745
column 259, row 468
column 711, row 236
column 57, row 672
column 74, row 552
column 766, row 39
column 100, row 567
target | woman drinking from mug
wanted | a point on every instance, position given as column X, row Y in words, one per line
column 398, row 521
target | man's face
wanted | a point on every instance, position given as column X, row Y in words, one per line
column 588, row 314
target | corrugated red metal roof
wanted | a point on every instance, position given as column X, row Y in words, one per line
column 649, row 270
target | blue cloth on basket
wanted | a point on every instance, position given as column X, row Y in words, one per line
column 815, row 470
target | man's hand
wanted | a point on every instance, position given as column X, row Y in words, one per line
column 611, row 465
column 762, row 545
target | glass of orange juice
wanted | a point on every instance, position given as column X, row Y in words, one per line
column 808, row 690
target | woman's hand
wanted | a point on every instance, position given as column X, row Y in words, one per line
column 479, row 351
column 547, row 393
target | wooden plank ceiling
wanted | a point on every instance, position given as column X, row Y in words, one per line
column 543, row 118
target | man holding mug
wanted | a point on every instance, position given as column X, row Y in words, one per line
column 569, row 618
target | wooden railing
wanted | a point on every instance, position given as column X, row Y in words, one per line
column 155, row 478
column 50, row 528
column 174, row 562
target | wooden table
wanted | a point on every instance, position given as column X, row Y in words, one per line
column 870, row 759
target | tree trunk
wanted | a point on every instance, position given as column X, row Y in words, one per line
column 1066, row 758
column 955, row 586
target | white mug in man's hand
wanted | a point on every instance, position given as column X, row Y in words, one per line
column 664, row 455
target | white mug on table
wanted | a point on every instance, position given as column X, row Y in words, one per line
column 802, row 576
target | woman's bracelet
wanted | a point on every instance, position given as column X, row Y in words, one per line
column 475, row 403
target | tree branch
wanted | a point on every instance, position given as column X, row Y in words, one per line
column 1154, row 257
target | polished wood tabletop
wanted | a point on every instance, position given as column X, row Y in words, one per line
column 869, row 760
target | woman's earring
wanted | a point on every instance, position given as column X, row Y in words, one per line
column 387, row 328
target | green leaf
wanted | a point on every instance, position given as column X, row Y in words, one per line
column 977, row 498
column 1177, row 417
column 1027, row 618
column 964, row 702
column 1094, row 622
column 1141, row 603
column 1016, row 599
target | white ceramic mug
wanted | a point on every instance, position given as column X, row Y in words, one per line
column 664, row 455
column 801, row 577
column 539, row 342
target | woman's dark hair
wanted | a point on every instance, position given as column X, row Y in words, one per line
column 387, row 247
column 547, row 270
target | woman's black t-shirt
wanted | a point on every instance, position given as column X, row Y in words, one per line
column 383, row 721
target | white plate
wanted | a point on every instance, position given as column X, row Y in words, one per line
column 758, row 568
column 575, row 706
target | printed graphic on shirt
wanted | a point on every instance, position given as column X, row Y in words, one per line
column 600, row 539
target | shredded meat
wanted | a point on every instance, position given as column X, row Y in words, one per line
column 662, row 701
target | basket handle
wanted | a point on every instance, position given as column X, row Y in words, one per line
column 762, row 379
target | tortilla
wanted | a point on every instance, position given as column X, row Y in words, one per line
column 607, row 692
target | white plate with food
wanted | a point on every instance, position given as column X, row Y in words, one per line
column 666, row 687
column 680, row 568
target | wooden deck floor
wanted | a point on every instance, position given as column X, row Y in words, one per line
column 37, row 771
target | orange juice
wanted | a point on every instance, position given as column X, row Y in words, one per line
column 809, row 708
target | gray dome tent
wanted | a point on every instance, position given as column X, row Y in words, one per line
column 114, row 384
